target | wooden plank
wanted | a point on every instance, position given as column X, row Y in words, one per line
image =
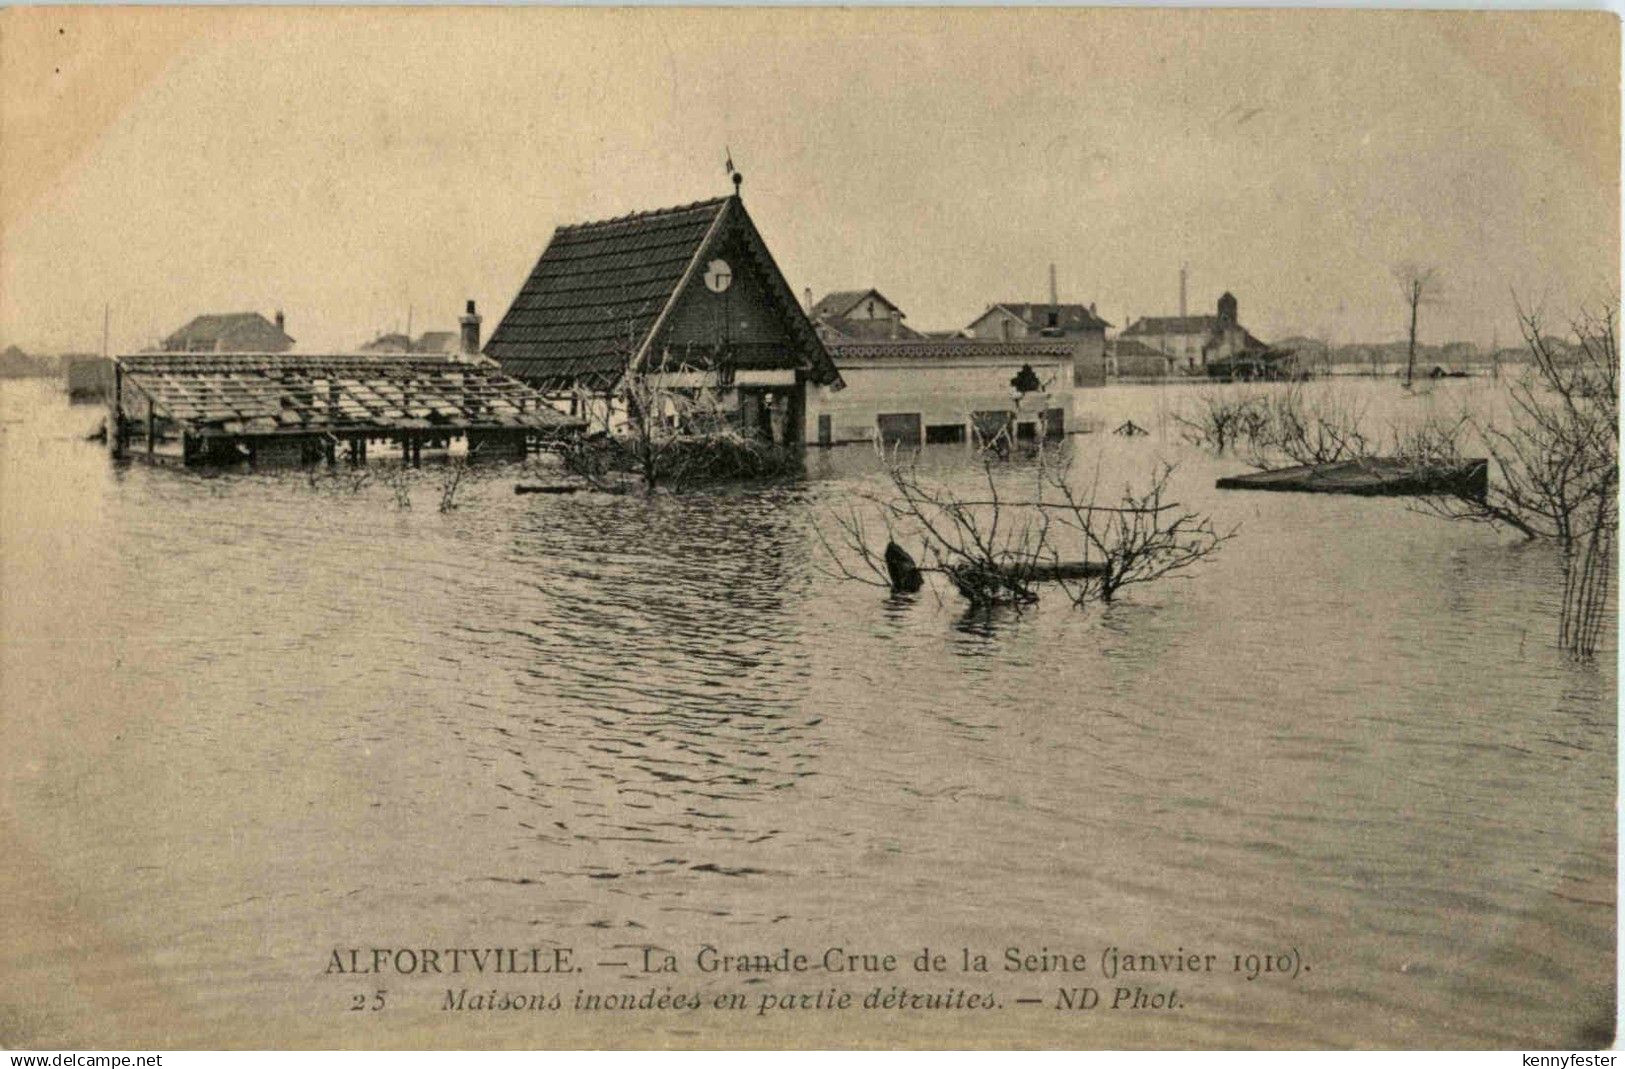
column 1372, row 477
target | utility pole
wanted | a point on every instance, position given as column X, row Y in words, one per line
column 1410, row 356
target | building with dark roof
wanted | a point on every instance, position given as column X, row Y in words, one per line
column 690, row 291
column 1196, row 341
column 235, row 332
column 860, row 315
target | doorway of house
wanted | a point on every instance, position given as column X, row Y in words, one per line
column 769, row 415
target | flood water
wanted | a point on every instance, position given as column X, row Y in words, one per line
column 250, row 718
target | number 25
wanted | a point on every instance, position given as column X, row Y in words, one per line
column 360, row 1001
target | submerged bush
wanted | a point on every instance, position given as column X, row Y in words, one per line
column 619, row 463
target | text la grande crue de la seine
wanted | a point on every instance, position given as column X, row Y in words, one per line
column 707, row 959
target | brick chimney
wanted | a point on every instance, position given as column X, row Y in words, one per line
column 280, row 321
column 470, row 322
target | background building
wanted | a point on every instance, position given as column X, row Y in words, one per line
column 1130, row 358
column 1195, row 341
column 860, row 315
column 1077, row 324
column 431, row 341
column 236, row 332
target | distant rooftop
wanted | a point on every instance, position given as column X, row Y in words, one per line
column 231, row 330
column 1069, row 317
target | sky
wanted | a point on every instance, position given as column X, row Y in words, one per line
column 354, row 167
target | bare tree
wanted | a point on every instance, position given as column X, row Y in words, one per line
column 1419, row 285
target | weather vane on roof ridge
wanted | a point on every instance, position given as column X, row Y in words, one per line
column 732, row 171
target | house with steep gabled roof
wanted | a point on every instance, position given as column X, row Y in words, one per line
column 690, row 291
column 860, row 315
column 865, row 304
column 235, row 332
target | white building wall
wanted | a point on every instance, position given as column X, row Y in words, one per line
column 943, row 394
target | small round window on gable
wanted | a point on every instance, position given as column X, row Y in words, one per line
column 718, row 276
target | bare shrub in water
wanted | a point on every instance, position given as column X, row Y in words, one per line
column 673, row 438
column 996, row 548
column 1271, row 430
column 1141, row 539
column 457, row 475
column 1303, row 428
column 1554, row 466
column 1554, row 469
column 1220, row 420
column 399, row 481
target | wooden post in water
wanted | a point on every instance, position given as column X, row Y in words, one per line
column 115, row 414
